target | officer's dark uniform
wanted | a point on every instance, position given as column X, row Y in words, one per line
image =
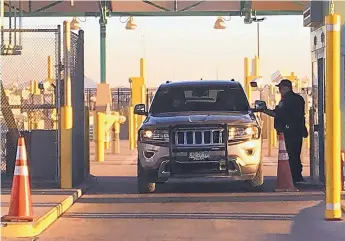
column 290, row 120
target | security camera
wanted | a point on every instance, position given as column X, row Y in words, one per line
column 248, row 16
column 253, row 84
column 248, row 20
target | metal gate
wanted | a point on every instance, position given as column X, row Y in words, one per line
column 30, row 83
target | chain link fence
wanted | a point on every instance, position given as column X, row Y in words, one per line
column 121, row 98
column 28, row 85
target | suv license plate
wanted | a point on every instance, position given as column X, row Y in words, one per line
column 199, row 156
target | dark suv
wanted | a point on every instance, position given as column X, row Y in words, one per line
column 198, row 129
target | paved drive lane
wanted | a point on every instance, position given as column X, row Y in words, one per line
column 219, row 210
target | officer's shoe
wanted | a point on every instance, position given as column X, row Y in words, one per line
column 300, row 180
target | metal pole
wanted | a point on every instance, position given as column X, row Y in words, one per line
column 143, row 43
column 258, row 37
column 246, row 81
column 103, row 58
column 333, row 117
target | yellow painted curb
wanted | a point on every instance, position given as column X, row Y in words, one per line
column 31, row 229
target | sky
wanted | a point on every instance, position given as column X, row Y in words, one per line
column 178, row 48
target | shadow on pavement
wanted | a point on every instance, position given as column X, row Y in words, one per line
column 213, row 191
column 309, row 224
column 128, row 185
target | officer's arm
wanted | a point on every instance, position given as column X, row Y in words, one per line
column 270, row 112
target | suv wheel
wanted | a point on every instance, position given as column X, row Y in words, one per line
column 258, row 181
column 143, row 182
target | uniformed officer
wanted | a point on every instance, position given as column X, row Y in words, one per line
column 289, row 119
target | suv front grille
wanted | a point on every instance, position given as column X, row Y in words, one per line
column 198, row 137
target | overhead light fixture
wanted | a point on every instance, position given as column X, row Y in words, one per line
column 131, row 25
column 75, row 25
column 220, row 24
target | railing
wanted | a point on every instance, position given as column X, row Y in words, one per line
column 121, row 97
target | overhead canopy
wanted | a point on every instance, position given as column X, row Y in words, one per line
column 154, row 8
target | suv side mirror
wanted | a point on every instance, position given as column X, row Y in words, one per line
column 140, row 109
column 260, row 105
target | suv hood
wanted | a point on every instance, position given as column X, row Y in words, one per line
column 200, row 119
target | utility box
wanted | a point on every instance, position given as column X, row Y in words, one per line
column 42, row 154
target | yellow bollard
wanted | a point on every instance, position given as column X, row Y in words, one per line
column 275, row 137
column 37, row 91
column 50, row 68
column 272, row 103
column 131, row 127
column 246, row 79
column 109, row 138
column 143, row 101
column 308, row 138
column 34, row 90
column 116, row 136
column 66, row 115
column 269, row 135
column 135, row 128
column 32, row 87
column 256, row 66
column 298, row 85
column 333, row 117
column 66, row 146
column 142, row 69
column 100, row 135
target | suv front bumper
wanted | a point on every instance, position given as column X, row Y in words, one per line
column 243, row 161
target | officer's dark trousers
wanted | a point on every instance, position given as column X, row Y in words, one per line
column 294, row 146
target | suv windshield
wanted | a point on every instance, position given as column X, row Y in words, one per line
column 199, row 98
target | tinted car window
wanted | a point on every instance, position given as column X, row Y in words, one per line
column 199, row 98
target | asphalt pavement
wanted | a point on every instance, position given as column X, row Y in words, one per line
column 194, row 211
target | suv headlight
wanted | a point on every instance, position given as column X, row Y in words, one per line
column 154, row 135
column 243, row 133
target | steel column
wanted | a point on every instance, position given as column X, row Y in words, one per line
column 103, row 57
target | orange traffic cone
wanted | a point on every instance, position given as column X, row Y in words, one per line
column 21, row 203
column 284, row 177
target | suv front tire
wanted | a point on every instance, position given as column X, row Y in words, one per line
column 144, row 184
column 257, row 182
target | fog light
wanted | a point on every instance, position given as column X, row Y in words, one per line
column 149, row 154
column 250, row 152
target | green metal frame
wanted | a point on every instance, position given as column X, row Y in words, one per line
column 162, row 11
column 156, row 14
column 105, row 10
